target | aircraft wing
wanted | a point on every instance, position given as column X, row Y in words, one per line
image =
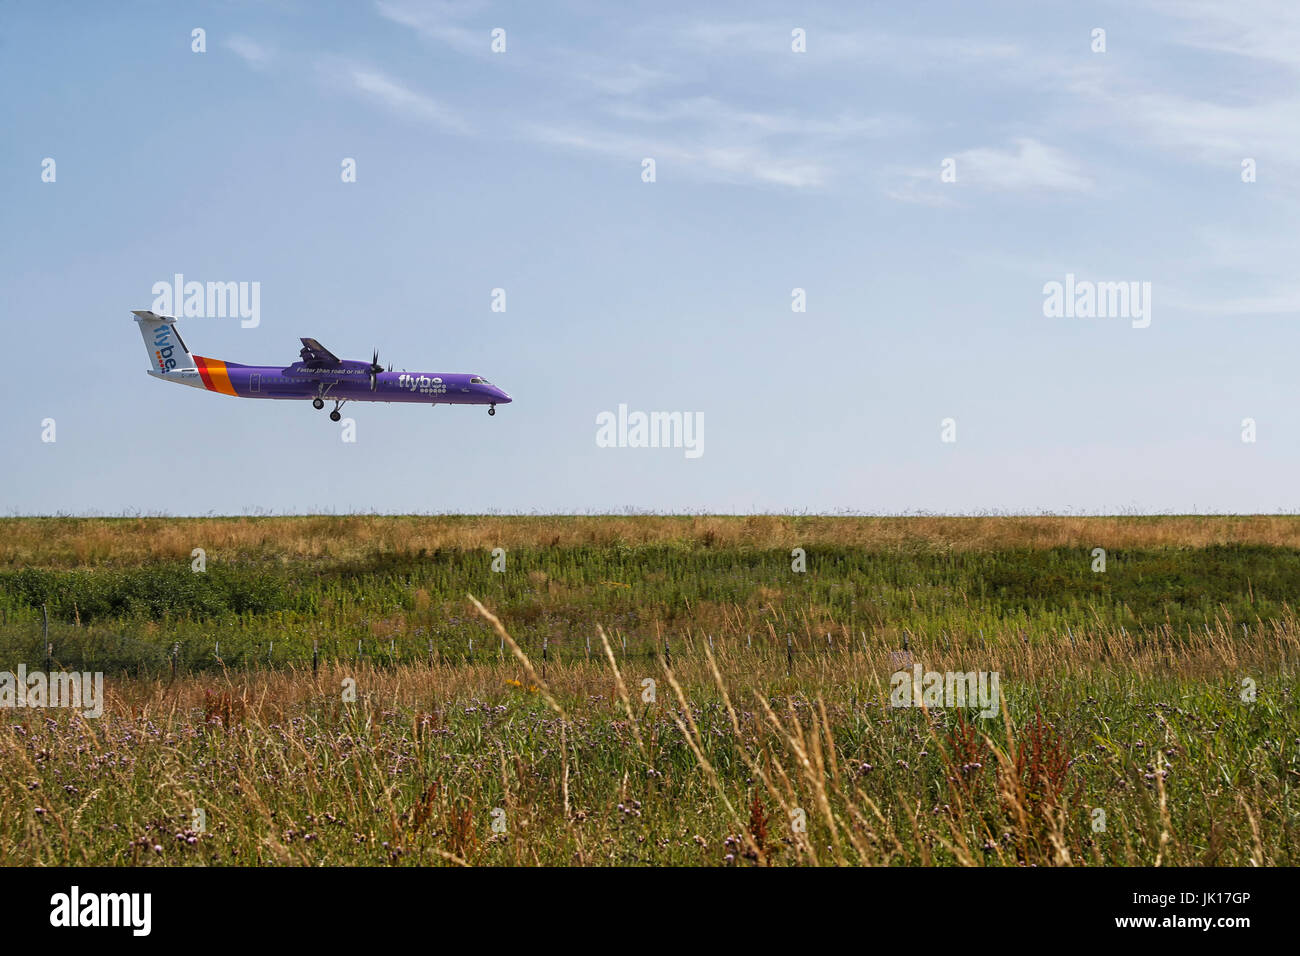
column 317, row 355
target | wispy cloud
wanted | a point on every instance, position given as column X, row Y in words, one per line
column 1267, row 30
column 624, row 79
column 615, row 106
column 717, row 115
column 1026, row 166
column 711, row 138
column 1239, row 114
column 403, row 100
column 1285, row 303
column 440, row 21
column 912, row 189
column 832, row 45
column 730, row 163
column 1219, row 133
column 1231, row 272
column 250, row 51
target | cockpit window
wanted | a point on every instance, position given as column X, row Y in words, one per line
column 476, row 380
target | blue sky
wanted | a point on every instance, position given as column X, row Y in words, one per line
column 775, row 170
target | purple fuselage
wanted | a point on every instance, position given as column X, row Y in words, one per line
column 350, row 380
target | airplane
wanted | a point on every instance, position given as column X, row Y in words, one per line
column 318, row 375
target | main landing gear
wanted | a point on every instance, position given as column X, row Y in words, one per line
column 492, row 409
column 319, row 401
column 322, row 392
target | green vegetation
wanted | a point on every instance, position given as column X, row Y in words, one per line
column 1162, row 693
column 398, row 604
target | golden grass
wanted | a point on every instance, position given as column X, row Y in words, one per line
column 732, row 752
column 77, row 542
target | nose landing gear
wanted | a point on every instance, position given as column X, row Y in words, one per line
column 492, row 409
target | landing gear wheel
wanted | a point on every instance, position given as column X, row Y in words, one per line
column 335, row 416
column 492, row 409
column 317, row 404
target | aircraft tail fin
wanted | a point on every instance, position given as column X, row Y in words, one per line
column 166, row 348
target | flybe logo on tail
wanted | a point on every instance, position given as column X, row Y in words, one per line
column 162, row 340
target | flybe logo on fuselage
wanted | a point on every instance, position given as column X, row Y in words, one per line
column 424, row 384
column 163, row 348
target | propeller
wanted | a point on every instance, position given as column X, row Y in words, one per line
column 375, row 369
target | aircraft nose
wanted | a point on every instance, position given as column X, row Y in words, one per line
column 502, row 397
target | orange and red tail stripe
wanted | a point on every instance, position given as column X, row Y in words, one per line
column 215, row 375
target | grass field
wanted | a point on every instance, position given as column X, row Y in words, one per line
column 1148, row 712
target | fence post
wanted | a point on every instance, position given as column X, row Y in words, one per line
column 668, row 653
column 315, row 657
column 789, row 655
column 176, row 649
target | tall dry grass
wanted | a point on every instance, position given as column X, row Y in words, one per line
column 740, row 759
column 77, row 542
